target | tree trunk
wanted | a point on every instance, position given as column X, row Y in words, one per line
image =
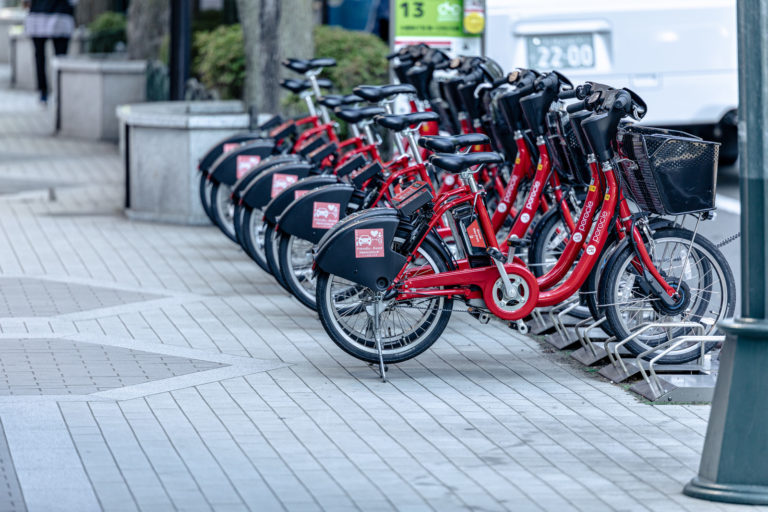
column 272, row 31
column 148, row 24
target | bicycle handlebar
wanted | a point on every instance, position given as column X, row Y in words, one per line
column 575, row 107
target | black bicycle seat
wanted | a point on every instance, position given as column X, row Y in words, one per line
column 376, row 93
column 322, row 62
column 460, row 163
column 304, row 65
column 297, row 65
column 297, row 86
column 399, row 123
column 355, row 115
column 336, row 100
column 451, row 144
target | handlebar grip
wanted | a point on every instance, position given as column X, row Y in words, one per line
column 567, row 95
column 499, row 82
column 575, row 107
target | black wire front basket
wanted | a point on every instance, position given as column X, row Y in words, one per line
column 670, row 172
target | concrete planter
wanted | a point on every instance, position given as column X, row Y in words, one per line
column 9, row 17
column 161, row 144
column 22, row 57
column 90, row 88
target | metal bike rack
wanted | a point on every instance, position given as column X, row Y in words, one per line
column 677, row 387
column 618, row 370
column 562, row 338
column 589, row 353
column 538, row 325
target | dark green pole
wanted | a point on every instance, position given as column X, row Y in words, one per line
column 734, row 464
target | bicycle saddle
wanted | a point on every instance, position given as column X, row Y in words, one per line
column 297, row 86
column 399, row 123
column 355, row 115
column 452, row 143
column 304, row 65
column 336, row 100
column 460, row 163
column 376, row 93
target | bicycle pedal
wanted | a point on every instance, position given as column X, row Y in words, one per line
column 519, row 242
column 496, row 254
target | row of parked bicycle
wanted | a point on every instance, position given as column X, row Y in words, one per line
column 503, row 193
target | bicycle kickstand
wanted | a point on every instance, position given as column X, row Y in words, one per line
column 377, row 338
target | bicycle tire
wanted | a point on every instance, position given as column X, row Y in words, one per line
column 295, row 278
column 223, row 210
column 364, row 348
column 204, row 189
column 252, row 242
column 713, row 279
column 271, row 246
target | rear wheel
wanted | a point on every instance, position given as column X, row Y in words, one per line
column 253, row 236
column 237, row 222
column 223, row 209
column 698, row 270
column 271, row 247
column 296, row 268
column 406, row 328
column 205, row 194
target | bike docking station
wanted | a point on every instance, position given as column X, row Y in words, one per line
column 690, row 382
column 557, row 327
column 658, row 382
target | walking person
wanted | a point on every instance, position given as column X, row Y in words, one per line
column 49, row 19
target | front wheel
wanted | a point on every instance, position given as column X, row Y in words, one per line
column 406, row 328
column 693, row 266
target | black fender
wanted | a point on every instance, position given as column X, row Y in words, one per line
column 266, row 184
column 360, row 249
column 313, row 214
column 224, row 169
column 206, row 162
column 240, row 185
column 279, row 203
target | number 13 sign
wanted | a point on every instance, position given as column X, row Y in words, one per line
column 438, row 23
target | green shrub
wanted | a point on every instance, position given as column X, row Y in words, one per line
column 220, row 60
column 106, row 31
column 361, row 57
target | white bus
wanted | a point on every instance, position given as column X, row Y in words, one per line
column 680, row 56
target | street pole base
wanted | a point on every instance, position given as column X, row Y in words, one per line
column 727, row 493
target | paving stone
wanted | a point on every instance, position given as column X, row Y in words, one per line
column 29, row 297
column 33, row 367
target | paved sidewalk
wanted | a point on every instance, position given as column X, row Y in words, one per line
column 155, row 367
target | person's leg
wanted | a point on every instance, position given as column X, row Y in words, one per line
column 42, row 79
column 60, row 45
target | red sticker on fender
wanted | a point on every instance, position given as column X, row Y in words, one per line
column 369, row 243
column 325, row 215
column 298, row 193
column 229, row 146
column 245, row 164
column 281, row 182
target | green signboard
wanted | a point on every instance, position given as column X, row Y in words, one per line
column 428, row 18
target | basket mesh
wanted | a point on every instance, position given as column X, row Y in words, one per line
column 672, row 172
